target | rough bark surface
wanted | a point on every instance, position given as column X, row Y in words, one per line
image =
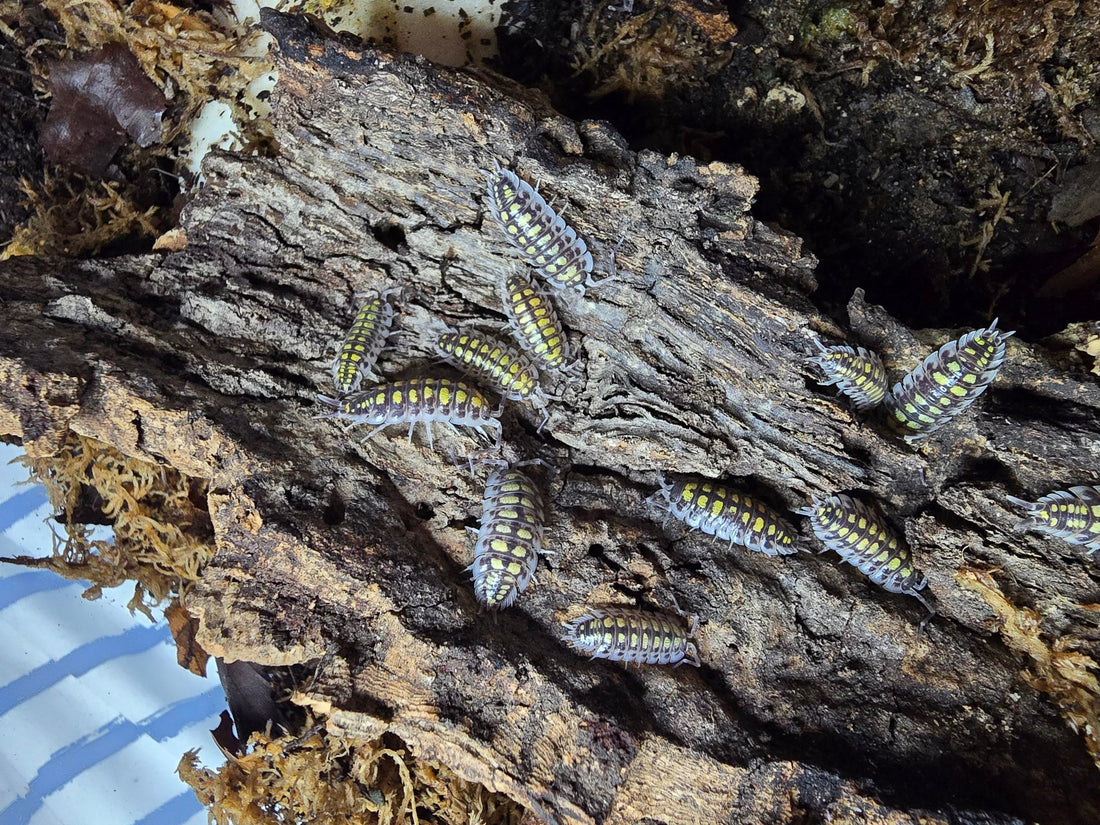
column 816, row 698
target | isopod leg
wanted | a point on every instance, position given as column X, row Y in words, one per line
column 613, row 269
column 374, row 432
column 926, row 619
column 693, row 652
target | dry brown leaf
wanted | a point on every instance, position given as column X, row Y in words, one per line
column 184, row 626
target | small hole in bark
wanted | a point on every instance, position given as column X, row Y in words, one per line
column 390, row 234
column 336, row 510
column 424, row 511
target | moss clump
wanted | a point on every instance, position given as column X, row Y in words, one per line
column 663, row 47
column 74, row 217
column 163, row 533
column 321, row 778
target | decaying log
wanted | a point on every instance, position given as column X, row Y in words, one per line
column 816, row 698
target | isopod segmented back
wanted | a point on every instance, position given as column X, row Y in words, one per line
column 949, row 381
column 727, row 514
column 510, row 537
column 359, row 352
column 547, row 242
column 534, row 322
column 1072, row 515
column 412, row 400
column 624, row 634
column 497, row 363
column 860, row 537
column 857, row 374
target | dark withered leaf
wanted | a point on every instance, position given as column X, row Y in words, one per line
column 223, row 736
column 1077, row 198
column 249, row 693
column 98, row 99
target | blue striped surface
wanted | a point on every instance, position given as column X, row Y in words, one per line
column 94, row 709
column 20, row 505
column 14, row 588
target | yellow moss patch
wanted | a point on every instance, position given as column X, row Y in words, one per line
column 79, row 218
column 163, row 533
column 1059, row 670
column 322, row 778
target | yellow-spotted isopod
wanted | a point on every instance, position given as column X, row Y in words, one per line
column 624, row 634
column 727, row 514
column 547, row 242
column 949, row 381
column 412, row 400
column 497, row 363
column 356, row 358
column 510, row 537
column 857, row 373
column 534, row 323
column 1072, row 515
column 858, row 535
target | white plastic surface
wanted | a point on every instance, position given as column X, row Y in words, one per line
column 95, row 711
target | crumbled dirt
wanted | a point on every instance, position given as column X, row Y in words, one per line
column 917, row 147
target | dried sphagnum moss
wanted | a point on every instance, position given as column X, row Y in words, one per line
column 324, row 779
column 74, row 217
column 193, row 57
column 662, row 47
column 163, row 533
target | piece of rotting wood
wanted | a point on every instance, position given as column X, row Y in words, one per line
column 816, row 700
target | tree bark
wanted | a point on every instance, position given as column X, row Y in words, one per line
column 816, row 698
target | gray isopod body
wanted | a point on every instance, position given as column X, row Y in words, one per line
column 509, row 539
column 623, row 634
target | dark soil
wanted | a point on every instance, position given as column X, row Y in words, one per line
column 21, row 157
column 920, row 148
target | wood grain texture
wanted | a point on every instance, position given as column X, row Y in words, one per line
column 816, row 698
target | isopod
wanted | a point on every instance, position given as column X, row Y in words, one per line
column 357, row 356
column 413, row 400
column 727, row 514
column 624, row 634
column 949, row 381
column 855, row 532
column 510, row 537
column 1072, row 515
column 857, row 374
column 534, row 322
column 547, row 242
column 497, row 363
